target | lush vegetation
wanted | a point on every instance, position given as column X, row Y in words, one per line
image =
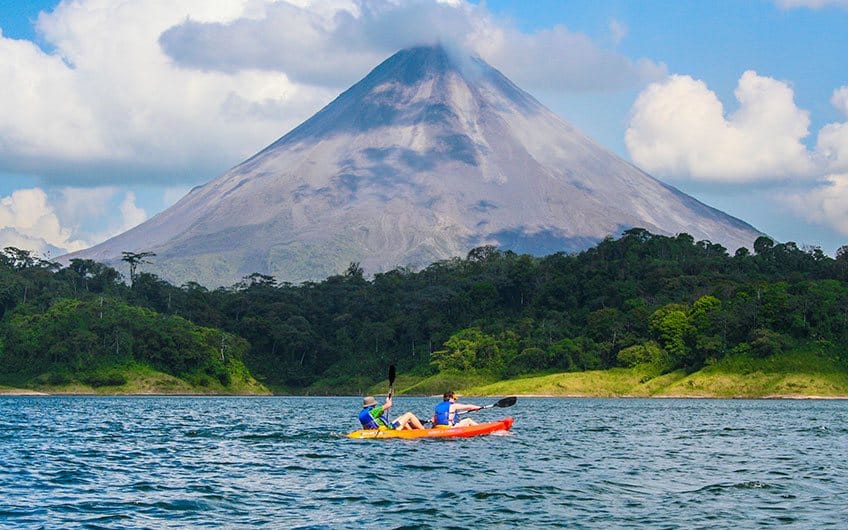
column 650, row 304
column 57, row 336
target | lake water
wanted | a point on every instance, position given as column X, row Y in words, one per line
column 183, row 462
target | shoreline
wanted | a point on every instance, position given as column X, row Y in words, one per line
column 22, row 392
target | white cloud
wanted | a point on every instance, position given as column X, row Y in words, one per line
column 112, row 212
column 832, row 143
column 75, row 205
column 679, row 128
column 346, row 41
column 39, row 248
column 28, row 221
column 618, row 30
column 562, row 60
column 813, row 4
column 840, row 100
column 51, row 224
column 826, row 204
column 107, row 104
column 131, row 214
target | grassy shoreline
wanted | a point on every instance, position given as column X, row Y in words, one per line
column 795, row 375
column 24, row 392
column 137, row 380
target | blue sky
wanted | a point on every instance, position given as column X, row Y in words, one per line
column 112, row 111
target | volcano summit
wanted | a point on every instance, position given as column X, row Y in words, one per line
column 425, row 158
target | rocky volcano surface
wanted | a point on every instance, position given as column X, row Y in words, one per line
column 425, row 158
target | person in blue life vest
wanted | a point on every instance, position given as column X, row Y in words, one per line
column 447, row 412
column 373, row 416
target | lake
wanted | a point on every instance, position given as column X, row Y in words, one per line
column 283, row 462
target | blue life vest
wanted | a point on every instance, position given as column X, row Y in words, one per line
column 443, row 415
column 368, row 422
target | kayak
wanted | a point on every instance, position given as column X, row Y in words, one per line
column 436, row 432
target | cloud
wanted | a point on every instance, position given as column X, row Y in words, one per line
column 29, row 222
column 177, row 92
column 562, row 60
column 96, row 214
column 832, row 143
column 825, row 204
column 336, row 46
column 52, row 224
column 618, row 30
column 131, row 214
column 106, row 105
column 296, row 40
column 679, row 128
column 10, row 237
column 812, row 4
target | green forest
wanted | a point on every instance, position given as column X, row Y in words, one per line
column 671, row 303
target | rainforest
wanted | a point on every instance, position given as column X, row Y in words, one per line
column 643, row 314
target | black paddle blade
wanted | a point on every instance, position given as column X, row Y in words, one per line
column 392, row 374
column 507, row 402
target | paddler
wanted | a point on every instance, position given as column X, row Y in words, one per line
column 373, row 416
column 447, row 412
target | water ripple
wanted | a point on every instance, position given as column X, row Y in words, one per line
column 266, row 463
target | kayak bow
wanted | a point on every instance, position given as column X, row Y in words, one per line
column 436, row 432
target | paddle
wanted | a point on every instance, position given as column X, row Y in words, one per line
column 392, row 375
column 505, row 402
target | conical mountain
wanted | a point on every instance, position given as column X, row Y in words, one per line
column 425, row 158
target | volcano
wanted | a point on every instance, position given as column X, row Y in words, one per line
column 433, row 153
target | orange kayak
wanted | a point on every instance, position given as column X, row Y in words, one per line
column 437, row 432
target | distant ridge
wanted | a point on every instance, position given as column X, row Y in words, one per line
column 428, row 156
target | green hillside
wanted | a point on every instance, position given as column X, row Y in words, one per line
column 106, row 346
column 639, row 315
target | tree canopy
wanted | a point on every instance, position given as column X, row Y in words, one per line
column 639, row 298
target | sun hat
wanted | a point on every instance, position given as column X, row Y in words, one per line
column 369, row 402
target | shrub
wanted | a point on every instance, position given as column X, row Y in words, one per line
column 111, row 378
column 529, row 360
column 57, row 378
column 765, row 342
column 640, row 354
column 224, row 376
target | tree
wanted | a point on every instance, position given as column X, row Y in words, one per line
column 483, row 254
column 95, row 276
column 704, row 312
column 765, row 342
column 134, row 260
column 762, row 245
column 257, row 280
column 355, row 272
column 465, row 350
column 670, row 325
column 648, row 353
column 17, row 258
